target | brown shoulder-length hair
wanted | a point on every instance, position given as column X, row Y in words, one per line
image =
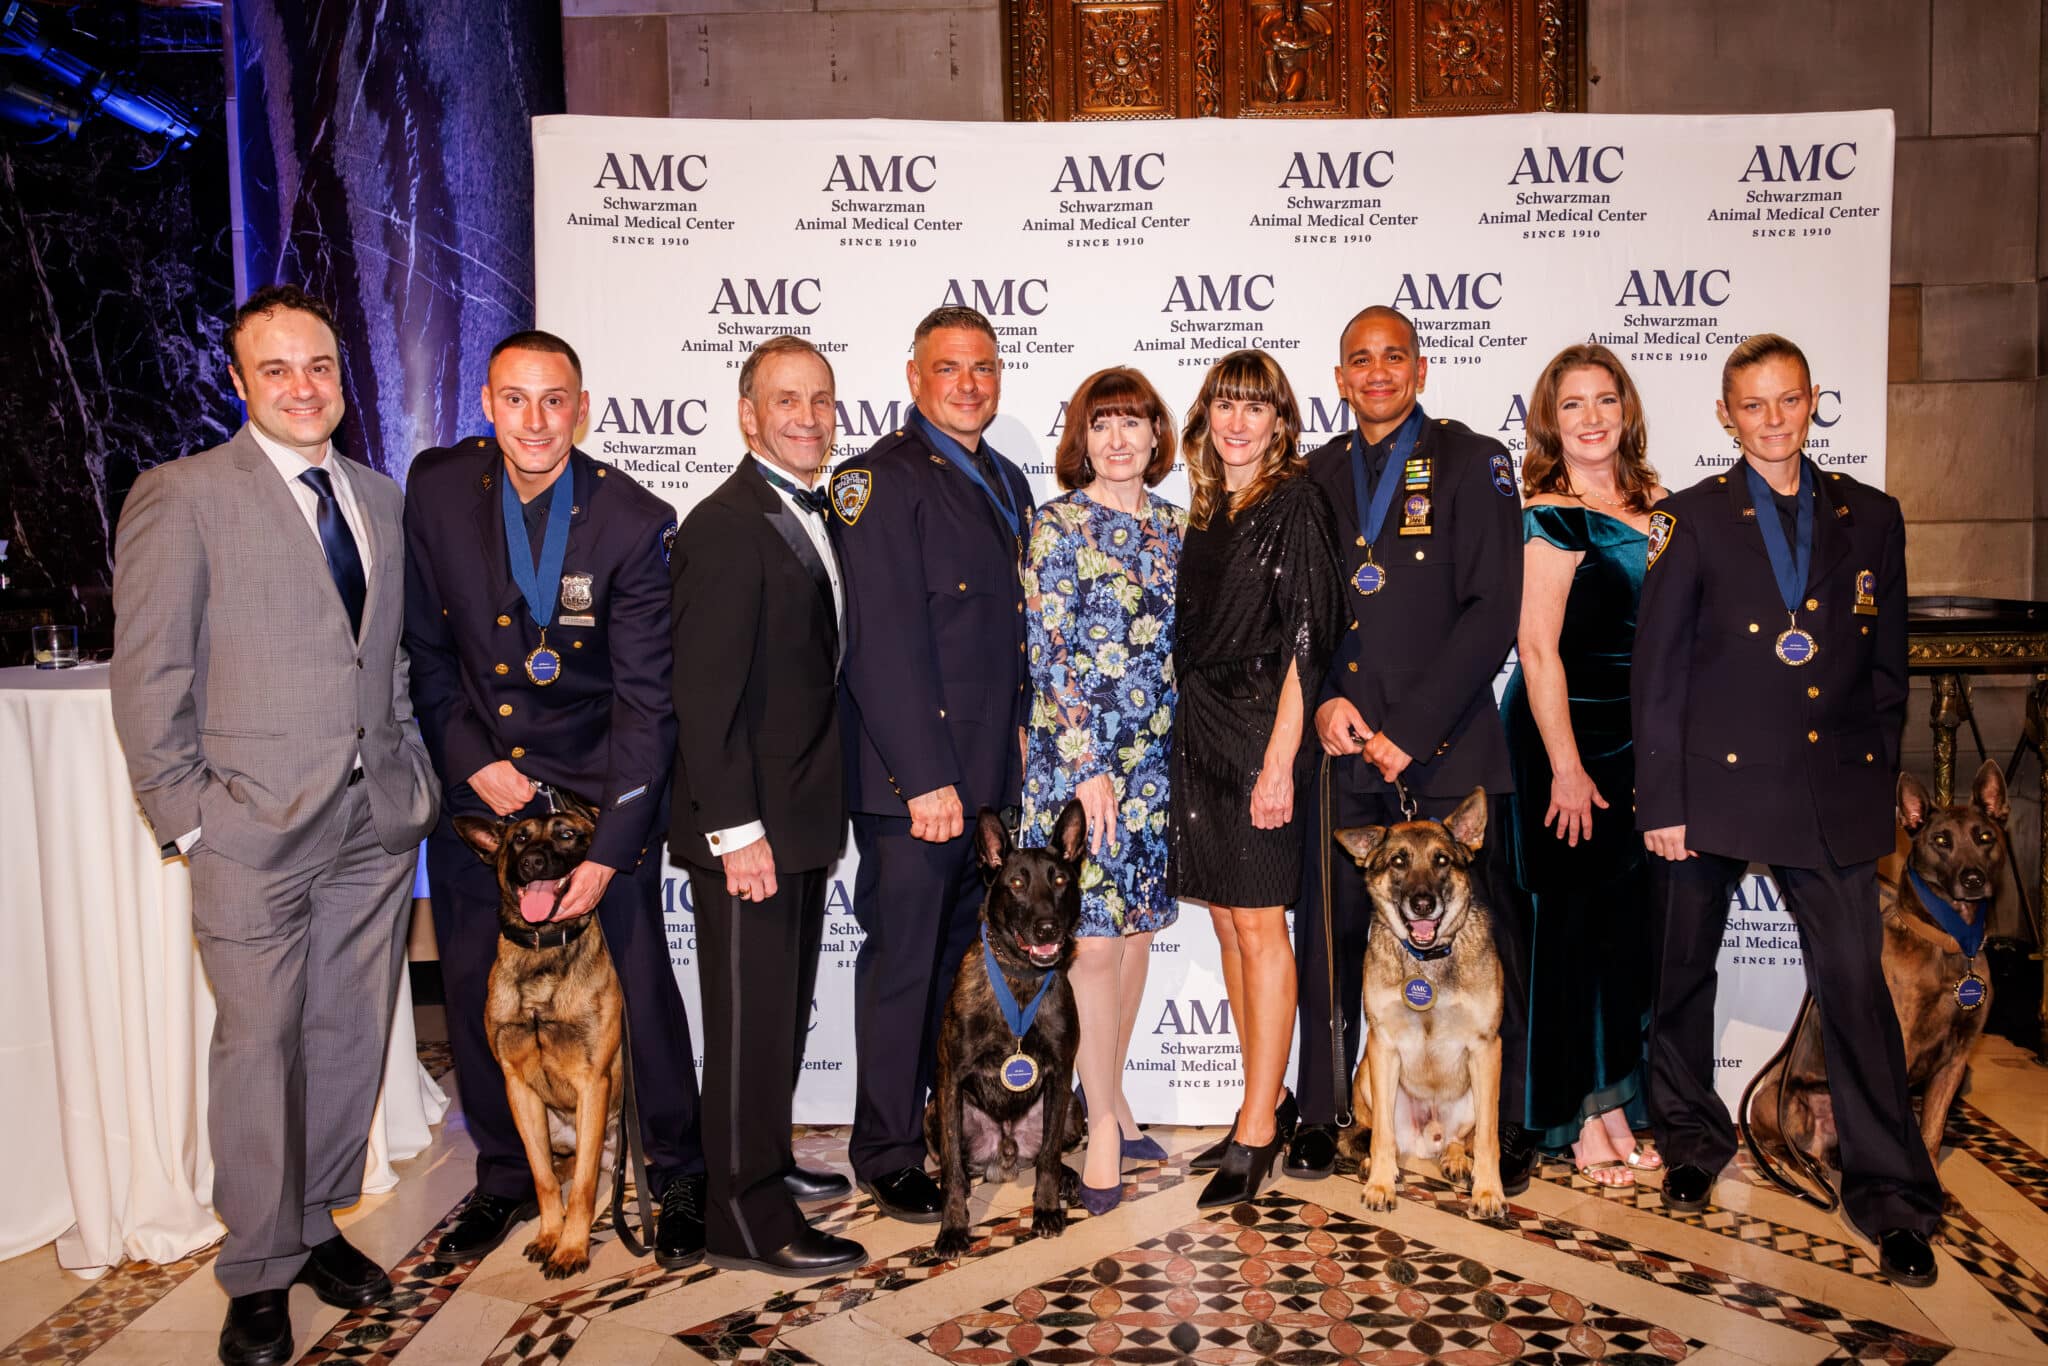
column 1543, row 467
column 1241, row 377
column 1118, row 391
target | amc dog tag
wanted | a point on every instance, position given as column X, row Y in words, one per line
column 1019, row 1072
column 1970, row 991
column 1418, row 994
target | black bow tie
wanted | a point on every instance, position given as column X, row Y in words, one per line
column 810, row 500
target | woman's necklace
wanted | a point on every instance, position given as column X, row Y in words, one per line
column 1590, row 498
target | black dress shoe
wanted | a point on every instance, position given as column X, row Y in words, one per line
column 484, row 1222
column 908, row 1195
column 1243, row 1171
column 815, row 1188
column 343, row 1277
column 1517, row 1158
column 679, row 1236
column 1286, row 1119
column 1905, row 1258
column 258, row 1331
column 1313, row 1153
column 1686, row 1187
column 809, row 1255
column 1211, row 1157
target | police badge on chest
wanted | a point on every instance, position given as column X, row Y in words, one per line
column 577, row 597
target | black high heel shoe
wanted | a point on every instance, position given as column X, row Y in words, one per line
column 1243, row 1173
column 1286, row 1119
column 1211, row 1157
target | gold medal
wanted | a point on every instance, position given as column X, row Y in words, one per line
column 1019, row 1071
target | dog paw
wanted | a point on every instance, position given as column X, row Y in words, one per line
column 1456, row 1164
column 1489, row 1204
column 541, row 1248
column 951, row 1242
column 566, row 1263
column 1048, row 1223
column 1379, row 1195
column 1070, row 1185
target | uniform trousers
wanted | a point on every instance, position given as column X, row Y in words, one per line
column 465, row 899
column 919, row 904
column 1316, row 1078
column 304, row 963
column 1887, row 1180
column 758, row 971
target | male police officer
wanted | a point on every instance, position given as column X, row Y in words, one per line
column 1431, row 526
column 1769, row 690
column 933, row 532
column 537, row 617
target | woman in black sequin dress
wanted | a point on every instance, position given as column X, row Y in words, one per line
column 1259, row 608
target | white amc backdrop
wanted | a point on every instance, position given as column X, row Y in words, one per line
column 667, row 248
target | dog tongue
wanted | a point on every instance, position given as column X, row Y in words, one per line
column 1422, row 931
column 537, row 901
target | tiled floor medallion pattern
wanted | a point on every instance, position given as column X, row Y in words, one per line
column 2003, row 1154
column 1285, row 1280
column 100, row 1311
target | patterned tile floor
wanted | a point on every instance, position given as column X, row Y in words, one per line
column 1303, row 1275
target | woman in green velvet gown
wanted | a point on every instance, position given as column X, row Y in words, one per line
column 1585, row 522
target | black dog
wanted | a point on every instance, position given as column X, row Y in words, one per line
column 993, row 1111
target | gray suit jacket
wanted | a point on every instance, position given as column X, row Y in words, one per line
column 240, row 696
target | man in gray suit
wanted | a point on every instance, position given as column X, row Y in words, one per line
column 262, row 699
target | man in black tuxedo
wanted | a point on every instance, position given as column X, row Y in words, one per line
column 759, row 815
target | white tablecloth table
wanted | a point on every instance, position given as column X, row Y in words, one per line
column 105, row 1013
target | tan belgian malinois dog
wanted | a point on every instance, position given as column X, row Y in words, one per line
column 1430, row 1078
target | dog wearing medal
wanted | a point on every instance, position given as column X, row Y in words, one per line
column 553, row 1015
column 1429, row 1084
column 1005, row 1096
column 1935, row 916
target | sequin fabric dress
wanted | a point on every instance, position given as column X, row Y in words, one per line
column 1099, row 601
column 1257, row 592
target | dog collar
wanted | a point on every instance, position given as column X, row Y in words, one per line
column 1426, row 955
column 1969, row 938
column 553, row 937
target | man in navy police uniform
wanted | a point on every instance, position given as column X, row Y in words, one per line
column 566, row 686
column 932, row 530
column 1769, row 690
column 1409, row 697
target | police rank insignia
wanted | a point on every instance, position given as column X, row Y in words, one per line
column 576, row 592
column 1866, row 593
column 1661, row 526
column 850, row 492
column 1503, row 476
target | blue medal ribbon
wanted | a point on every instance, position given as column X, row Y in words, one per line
column 1970, row 938
column 1374, row 499
column 964, row 459
column 1789, row 564
column 1019, row 1021
column 539, row 586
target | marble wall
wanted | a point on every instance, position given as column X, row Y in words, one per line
column 116, row 280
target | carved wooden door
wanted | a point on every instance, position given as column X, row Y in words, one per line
column 1157, row 59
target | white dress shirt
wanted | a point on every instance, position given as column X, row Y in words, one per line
column 290, row 465
column 740, row 836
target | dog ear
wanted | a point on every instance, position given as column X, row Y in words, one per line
column 1988, row 791
column 1360, row 841
column 1468, row 823
column 991, row 839
column 575, row 805
column 481, row 835
column 1070, row 833
column 1914, row 802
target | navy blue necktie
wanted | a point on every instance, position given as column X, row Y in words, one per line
column 343, row 560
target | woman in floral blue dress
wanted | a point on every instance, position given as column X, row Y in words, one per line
column 1099, row 586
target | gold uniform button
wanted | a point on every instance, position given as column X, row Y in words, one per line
column 1418, row 554
column 1870, row 758
column 1353, row 666
column 575, row 644
column 1020, row 607
column 1731, row 758
column 519, row 751
column 600, row 472
column 963, row 588
column 1754, row 628
column 1866, row 630
column 1813, row 604
column 942, row 713
column 504, row 709
column 1020, row 647
column 1813, row 692
column 502, row 669
column 1813, row 737
column 504, row 621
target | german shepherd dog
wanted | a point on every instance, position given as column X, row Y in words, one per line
column 552, row 1012
column 1958, row 854
column 981, row 1119
column 1430, row 1078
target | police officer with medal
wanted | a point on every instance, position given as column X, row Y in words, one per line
column 537, row 621
column 1429, row 520
column 1769, row 692
column 932, row 525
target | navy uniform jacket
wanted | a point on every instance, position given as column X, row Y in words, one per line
column 605, row 729
column 935, row 674
column 1756, row 759
column 1420, row 658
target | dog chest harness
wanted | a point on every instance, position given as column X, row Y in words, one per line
column 1969, row 992
column 1019, row 1071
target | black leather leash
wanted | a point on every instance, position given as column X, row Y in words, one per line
column 1340, row 1083
column 1804, row 1161
column 629, row 1122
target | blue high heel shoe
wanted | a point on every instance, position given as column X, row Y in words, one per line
column 1101, row 1200
column 1140, row 1149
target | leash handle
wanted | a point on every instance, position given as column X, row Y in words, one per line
column 1340, row 1084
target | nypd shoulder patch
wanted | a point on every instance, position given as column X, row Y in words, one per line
column 1503, row 476
column 850, row 492
column 1661, row 526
